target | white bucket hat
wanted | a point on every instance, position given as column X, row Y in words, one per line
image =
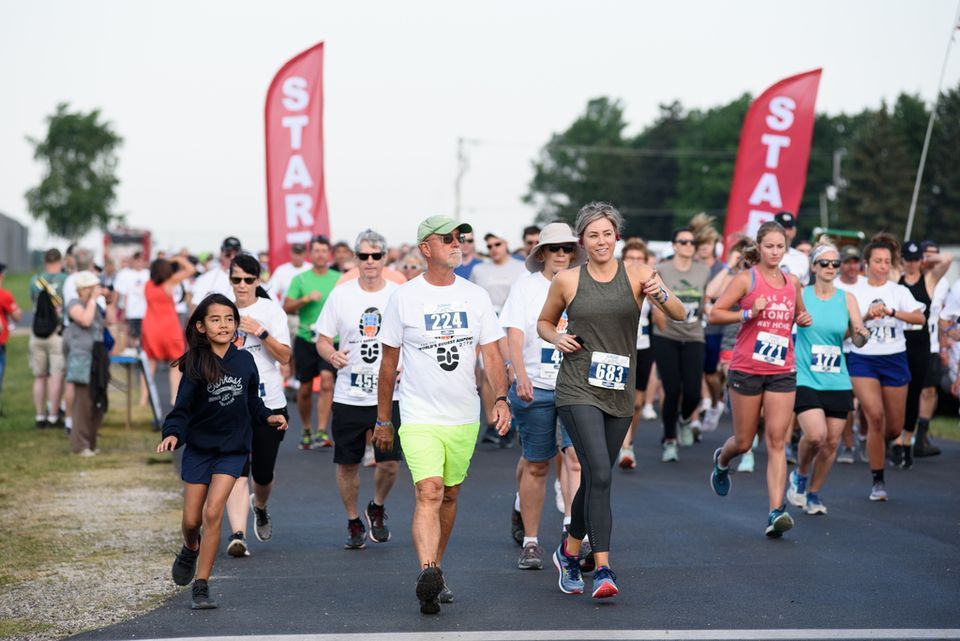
column 556, row 234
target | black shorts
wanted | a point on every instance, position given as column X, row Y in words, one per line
column 756, row 384
column 350, row 426
column 834, row 403
column 134, row 327
column 644, row 365
column 307, row 361
column 934, row 372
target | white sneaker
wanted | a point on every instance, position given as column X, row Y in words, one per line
column 87, row 452
column 746, row 462
column 705, row 404
column 558, row 495
column 711, row 418
column 369, row 459
column 627, row 460
column 648, row 413
column 684, row 433
column 669, row 452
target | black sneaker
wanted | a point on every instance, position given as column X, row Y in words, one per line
column 262, row 527
column 356, row 533
column 185, row 565
column 491, row 435
column 41, row 423
column 446, row 596
column 238, row 545
column 516, row 527
column 907, row 457
column 201, row 596
column 895, row 455
column 376, row 515
column 429, row 587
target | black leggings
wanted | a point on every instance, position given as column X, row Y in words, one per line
column 597, row 438
column 680, row 366
column 263, row 455
column 918, row 360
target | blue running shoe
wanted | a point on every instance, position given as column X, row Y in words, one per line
column 797, row 489
column 720, row 477
column 778, row 522
column 570, row 582
column 604, row 583
column 814, row 504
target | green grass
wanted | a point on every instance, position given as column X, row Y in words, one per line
column 947, row 427
column 19, row 286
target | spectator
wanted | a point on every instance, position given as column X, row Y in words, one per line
column 217, row 276
column 129, row 285
column 87, row 363
column 279, row 283
column 470, row 258
column 46, row 339
column 500, row 273
column 8, row 311
column 342, row 254
column 531, row 236
column 413, row 265
column 162, row 332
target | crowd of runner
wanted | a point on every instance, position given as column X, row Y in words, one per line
column 825, row 351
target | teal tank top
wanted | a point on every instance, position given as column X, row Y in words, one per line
column 820, row 361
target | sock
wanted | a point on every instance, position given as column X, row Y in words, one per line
column 812, row 496
column 68, row 423
column 516, row 502
column 722, row 468
column 566, row 521
column 801, row 477
column 356, row 520
column 41, row 418
column 923, row 423
column 877, row 476
column 530, row 539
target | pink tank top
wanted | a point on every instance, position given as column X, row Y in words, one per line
column 765, row 343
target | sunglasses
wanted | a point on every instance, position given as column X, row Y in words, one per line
column 249, row 280
column 493, row 245
column 410, row 267
column 447, row 239
column 685, row 241
column 829, row 263
column 464, row 239
column 567, row 249
column 374, row 255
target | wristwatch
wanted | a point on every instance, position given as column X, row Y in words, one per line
column 501, row 398
column 263, row 335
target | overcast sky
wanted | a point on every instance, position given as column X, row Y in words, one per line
column 184, row 83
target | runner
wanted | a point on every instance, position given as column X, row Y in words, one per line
column 921, row 275
column 280, row 279
column 922, row 446
column 354, row 312
column 536, row 364
column 217, row 278
column 262, row 332
column 762, row 374
column 824, row 394
column 678, row 345
column 596, row 383
column 307, row 295
column 848, row 276
column 879, row 370
column 706, row 238
column 794, row 261
column 216, row 406
column 439, row 320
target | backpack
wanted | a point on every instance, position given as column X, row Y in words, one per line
column 46, row 320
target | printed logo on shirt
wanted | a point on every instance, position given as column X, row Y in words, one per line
column 225, row 391
column 370, row 321
column 448, row 358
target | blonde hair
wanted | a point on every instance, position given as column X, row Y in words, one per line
column 592, row 212
column 703, row 230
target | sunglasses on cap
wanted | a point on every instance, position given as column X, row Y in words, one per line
column 447, row 239
column 567, row 249
column 365, row 255
column 824, row 263
column 249, row 280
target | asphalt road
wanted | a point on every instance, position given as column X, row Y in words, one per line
column 685, row 558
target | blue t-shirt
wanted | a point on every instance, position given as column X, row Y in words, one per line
column 819, row 351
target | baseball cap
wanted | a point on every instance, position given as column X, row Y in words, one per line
column 850, row 252
column 298, row 248
column 230, row 243
column 440, row 224
column 928, row 245
column 495, row 233
column 912, row 251
column 786, row 219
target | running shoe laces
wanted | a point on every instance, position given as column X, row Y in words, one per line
column 604, row 583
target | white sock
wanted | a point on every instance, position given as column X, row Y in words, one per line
column 68, row 422
column 530, row 539
column 516, row 502
column 41, row 418
column 566, row 520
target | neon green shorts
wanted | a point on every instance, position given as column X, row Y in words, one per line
column 439, row 450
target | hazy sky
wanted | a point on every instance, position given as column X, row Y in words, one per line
column 184, row 84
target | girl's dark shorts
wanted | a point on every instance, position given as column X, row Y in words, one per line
column 198, row 466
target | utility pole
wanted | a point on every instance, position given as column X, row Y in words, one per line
column 463, row 164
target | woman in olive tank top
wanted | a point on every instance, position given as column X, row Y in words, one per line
column 596, row 382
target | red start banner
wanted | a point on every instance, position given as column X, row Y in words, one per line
column 296, row 202
column 771, row 168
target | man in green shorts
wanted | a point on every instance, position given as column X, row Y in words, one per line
column 437, row 320
column 306, row 296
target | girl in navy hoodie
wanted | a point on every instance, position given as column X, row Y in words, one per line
column 217, row 402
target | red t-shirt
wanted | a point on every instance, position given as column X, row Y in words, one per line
column 7, row 307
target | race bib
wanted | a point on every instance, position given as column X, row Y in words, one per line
column 643, row 336
column 825, row 359
column 771, row 348
column 363, row 381
column 880, row 332
column 445, row 320
column 692, row 311
column 550, row 358
column 609, row 371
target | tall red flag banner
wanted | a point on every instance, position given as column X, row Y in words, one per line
column 771, row 168
column 296, row 201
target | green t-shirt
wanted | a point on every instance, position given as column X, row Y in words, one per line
column 56, row 281
column 303, row 284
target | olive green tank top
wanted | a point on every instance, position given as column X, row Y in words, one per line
column 602, row 373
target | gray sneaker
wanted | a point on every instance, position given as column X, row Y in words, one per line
column 531, row 558
column 878, row 492
column 262, row 527
column 685, row 432
column 846, row 455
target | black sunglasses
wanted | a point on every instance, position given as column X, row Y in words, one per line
column 249, row 280
column 567, row 249
column 374, row 255
column 447, row 239
column 685, row 241
column 829, row 263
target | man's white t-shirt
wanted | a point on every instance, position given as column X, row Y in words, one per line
column 282, row 277
column 797, row 263
column 215, row 279
column 438, row 330
column 269, row 314
column 356, row 316
column 498, row 279
column 936, row 306
column 840, row 284
column 886, row 334
column 131, row 283
column 541, row 359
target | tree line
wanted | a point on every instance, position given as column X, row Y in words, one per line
column 683, row 162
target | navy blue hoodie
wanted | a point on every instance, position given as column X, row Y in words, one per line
column 219, row 417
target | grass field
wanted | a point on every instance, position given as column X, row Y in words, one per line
column 19, row 286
